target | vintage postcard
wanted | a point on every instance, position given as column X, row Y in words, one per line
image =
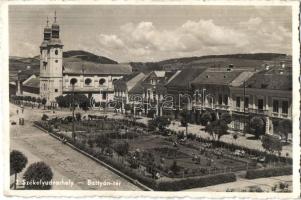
column 151, row 98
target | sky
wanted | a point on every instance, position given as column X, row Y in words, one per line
column 152, row 33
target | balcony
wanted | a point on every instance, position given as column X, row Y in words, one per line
column 257, row 111
column 222, row 107
column 280, row 115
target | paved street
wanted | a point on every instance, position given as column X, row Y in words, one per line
column 240, row 184
column 66, row 163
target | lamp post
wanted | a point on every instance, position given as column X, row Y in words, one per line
column 203, row 98
column 73, row 82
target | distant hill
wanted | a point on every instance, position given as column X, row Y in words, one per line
column 256, row 60
column 238, row 60
column 79, row 55
column 33, row 64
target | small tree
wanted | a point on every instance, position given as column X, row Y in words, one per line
column 122, row 148
column 205, row 118
column 38, row 172
column 103, row 141
column 257, row 126
column 33, row 99
column 217, row 129
column 285, row 127
column 174, row 167
column 226, row 117
column 127, row 107
column 235, row 136
column 39, row 100
column 18, row 162
column 159, row 122
column 271, row 144
column 44, row 101
column 78, row 116
column 45, row 117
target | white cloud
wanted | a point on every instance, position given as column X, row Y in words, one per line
column 144, row 41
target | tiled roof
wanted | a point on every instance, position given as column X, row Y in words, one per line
column 137, row 89
column 121, row 84
column 216, row 78
column 270, row 81
column 96, row 68
column 184, row 78
column 241, row 79
column 33, row 82
column 160, row 73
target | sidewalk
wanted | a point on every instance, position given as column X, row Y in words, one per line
column 240, row 184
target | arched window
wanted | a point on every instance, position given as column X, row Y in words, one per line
column 88, row 81
column 56, row 52
column 73, row 81
column 102, row 81
column 114, row 80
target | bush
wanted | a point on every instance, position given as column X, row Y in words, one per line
column 45, row 117
column 38, row 172
column 18, row 162
column 78, row 116
column 226, row 117
column 269, row 172
column 205, row 118
column 257, row 126
column 177, row 185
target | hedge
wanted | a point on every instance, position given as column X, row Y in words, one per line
column 181, row 184
column 269, row 172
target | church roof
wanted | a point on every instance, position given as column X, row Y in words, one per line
column 96, row 68
column 33, row 82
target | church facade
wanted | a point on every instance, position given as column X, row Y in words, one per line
column 59, row 76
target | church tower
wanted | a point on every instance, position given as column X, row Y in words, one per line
column 51, row 64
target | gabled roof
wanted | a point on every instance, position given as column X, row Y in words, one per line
column 184, row 77
column 241, row 79
column 216, row 78
column 33, row 82
column 270, row 81
column 96, row 68
column 128, row 81
column 159, row 73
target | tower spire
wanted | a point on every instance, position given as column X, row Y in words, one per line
column 55, row 16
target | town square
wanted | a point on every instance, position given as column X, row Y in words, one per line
column 117, row 98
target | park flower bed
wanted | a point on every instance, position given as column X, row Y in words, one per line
column 160, row 159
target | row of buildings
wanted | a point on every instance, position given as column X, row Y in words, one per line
column 242, row 92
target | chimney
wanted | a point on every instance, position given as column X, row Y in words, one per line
column 267, row 67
